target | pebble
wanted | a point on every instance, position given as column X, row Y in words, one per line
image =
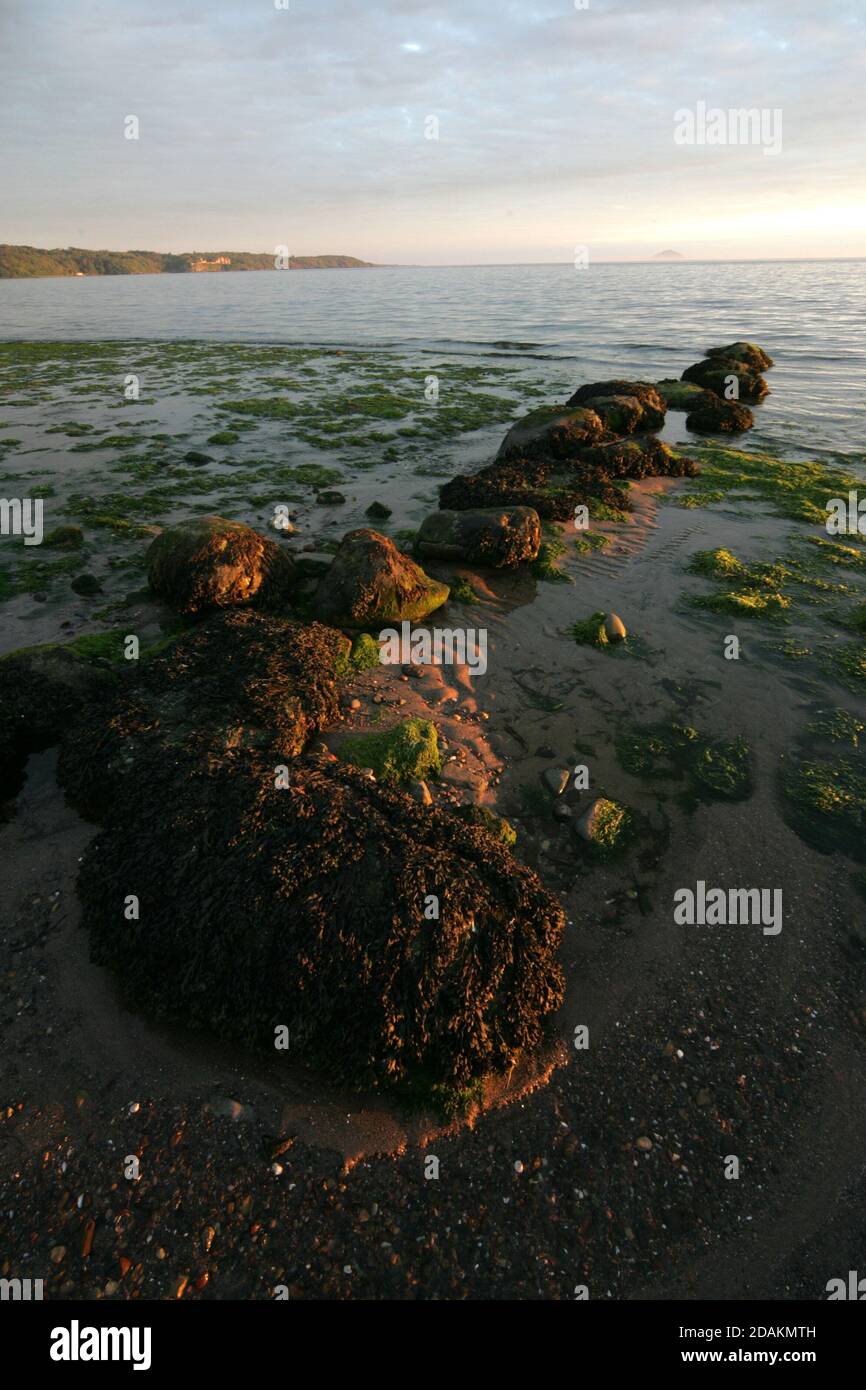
column 421, row 792
column 615, row 628
column 555, row 779
column 518, row 1166
column 644, row 1143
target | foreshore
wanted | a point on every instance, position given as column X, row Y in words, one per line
column 598, row 1164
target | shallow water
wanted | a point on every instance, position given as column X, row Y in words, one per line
column 640, row 320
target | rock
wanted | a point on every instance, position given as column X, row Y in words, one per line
column 407, row 753
column 497, row 826
column 330, row 498
column 557, row 432
column 208, row 562
column 306, row 907
column 371, row 584
column 554, row 487
column 644, row 1143
column 41, row 691
column 621, row 414
column 421, row 793
column 555, row 779
column 615, row 628
column 562, row 812
column 226, row 1107
column 495, row 536
column 65, row 538
column 712, row 415
column 87, row 585
column 378, row 511
column 680, row 395
column 604, row 824
column 714, row 374
column 749, row 353
column 196, row 458
column 643, row 391
column 267, row 684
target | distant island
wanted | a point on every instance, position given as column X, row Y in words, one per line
column 668, row 256
column 17, row 262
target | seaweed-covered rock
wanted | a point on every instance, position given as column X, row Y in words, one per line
column 623, row 406
column 749, row 353
column 407, row 753
column 714, row 374
column 556, row 432
column 712, row 415
column 554, row 488
column 208, row 562
column 549, row 489
column 41, row 690
column 239, row 681
column 371, row 583
column 680, row 395
column 495, row 536
column 309, row 907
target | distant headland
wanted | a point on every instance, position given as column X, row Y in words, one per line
column 18, row 262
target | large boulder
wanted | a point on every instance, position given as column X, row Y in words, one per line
column 239, row 681
column 277, row 890
column 208, row 562
column 714, row 373
column 495, row 536
column 623, row 406
column 712, row 415
column 372, row 584
column 637, row 458
column 749, row 353
column 556, row 432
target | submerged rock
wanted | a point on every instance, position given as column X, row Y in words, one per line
column 378, row 510
column 749, row 353
column 556, row 432
column 715, row 373
column 371, row 583
column 712, row 415
column 497, row 536
column 208, row 562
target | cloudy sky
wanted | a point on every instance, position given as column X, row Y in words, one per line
column 308, row 126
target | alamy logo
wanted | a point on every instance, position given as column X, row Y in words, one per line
column 21, row 518
column 76, row 1343
column 437, row 647
column 21, row 1290
column 846, row 516
column 735, row 126
column 853, row 1290
column 720, row 907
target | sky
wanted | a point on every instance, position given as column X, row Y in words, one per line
column 562, row 130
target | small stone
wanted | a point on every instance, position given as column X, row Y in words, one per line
column 378, row 509
column 615, row 628
column 57, row 1253
column 703, row 1097
column 518, row 1166
column 354, row 704
column 226, row 1107
column 556, row 780
column 644, row 1143
column 562, row 812
column 111, row 1288
column 421, row 792
column 196, row 458
column 330, row 498
column 277, row 1169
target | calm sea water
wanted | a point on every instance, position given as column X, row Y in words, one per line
column 637, row 320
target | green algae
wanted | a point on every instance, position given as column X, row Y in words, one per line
column 496, row 826
column 589, row 541
column 796, row 490
column 462, row 591
column 825, row 802
column 614, row 829
column 363, row 656
column 837, row 726
column 544, row 565
column 589, row 632
column 712, row 769
column 407, row 753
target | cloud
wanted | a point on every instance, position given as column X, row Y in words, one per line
column 309, row 123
